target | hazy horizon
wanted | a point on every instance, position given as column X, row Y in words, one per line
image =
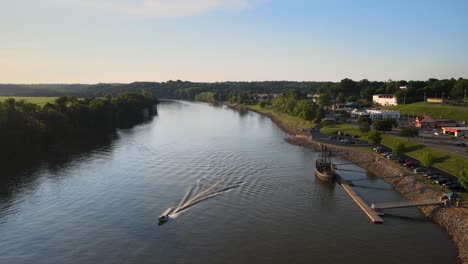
column 117, row 41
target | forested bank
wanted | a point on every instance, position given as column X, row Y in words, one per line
column 243, row 92
column 28, row 130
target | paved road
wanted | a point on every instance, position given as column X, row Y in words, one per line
column 321, row 137
column 443, row 142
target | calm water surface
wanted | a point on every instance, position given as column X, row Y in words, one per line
column 249, row 197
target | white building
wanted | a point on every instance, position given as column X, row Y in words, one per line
column 376, row 114
column 384, row 99
column 313, row 97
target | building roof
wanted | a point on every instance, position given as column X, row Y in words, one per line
column 455, row 128
column 389, row 96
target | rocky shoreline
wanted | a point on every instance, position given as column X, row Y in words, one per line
column 453, row 220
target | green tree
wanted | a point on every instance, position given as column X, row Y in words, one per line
column 458, row 91
column 399, row 148
column 320, row 115
column 385, row 125
column 324, row 99
column 262, row 104
column 427, row 159
column 409, row 132
column 364, row 124
column 463, row 179
column 374, row 137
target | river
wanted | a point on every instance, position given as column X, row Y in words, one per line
column 258, row 201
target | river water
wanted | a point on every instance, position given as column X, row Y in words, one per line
column 249, row 197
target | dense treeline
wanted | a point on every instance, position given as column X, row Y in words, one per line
column 415, row 91
column 26, row 128
column 295, row 103
column 208, row 97
column 346, row 90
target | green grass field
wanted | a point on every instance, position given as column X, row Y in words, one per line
column 41, row 101
column 433, row 110
column 292, row 121
column 447, row 161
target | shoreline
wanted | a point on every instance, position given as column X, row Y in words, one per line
column 453, row 220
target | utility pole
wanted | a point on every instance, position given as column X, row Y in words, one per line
column 464, row 97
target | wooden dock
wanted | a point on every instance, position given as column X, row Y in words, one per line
column 381, row 206
column 373, row 215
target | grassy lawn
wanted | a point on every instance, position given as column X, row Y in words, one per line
column 292, row 121
column 447, row 161
column 433, row 110
column 41, row 101
column 346, row 128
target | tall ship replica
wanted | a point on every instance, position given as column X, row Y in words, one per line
column 324, row 168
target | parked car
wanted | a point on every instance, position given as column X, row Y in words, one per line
column 461, row 144
column 435, row 174
column 344, row 140
column 441, row 180
column 392, row 156
column 433, row 177
column 411, row 164
column 445, row 184
column 382, row 151
column 420, row 170
column 401, row 160
column 333, row 137
column 379, row 149
column 454, row 187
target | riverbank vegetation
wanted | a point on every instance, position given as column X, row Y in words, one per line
column 27, row 129
column 207, row 97
column 293, row 122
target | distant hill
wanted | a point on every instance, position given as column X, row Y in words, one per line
column 167, row 90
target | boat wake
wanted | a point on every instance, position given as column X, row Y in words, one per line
column 202, row 191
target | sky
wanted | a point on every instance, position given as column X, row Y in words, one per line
column 122, row 41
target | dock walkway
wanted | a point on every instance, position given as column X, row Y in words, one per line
column 391, row 205
column 373, row 216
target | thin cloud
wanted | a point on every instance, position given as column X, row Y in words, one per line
column 164, row 8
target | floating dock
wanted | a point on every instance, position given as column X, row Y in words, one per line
column 373, row 215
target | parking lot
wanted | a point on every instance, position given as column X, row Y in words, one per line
column 432, row 174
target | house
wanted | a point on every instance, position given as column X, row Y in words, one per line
column 384, row 99
column 429, row 122
column 455, row 131
column 313, row 97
